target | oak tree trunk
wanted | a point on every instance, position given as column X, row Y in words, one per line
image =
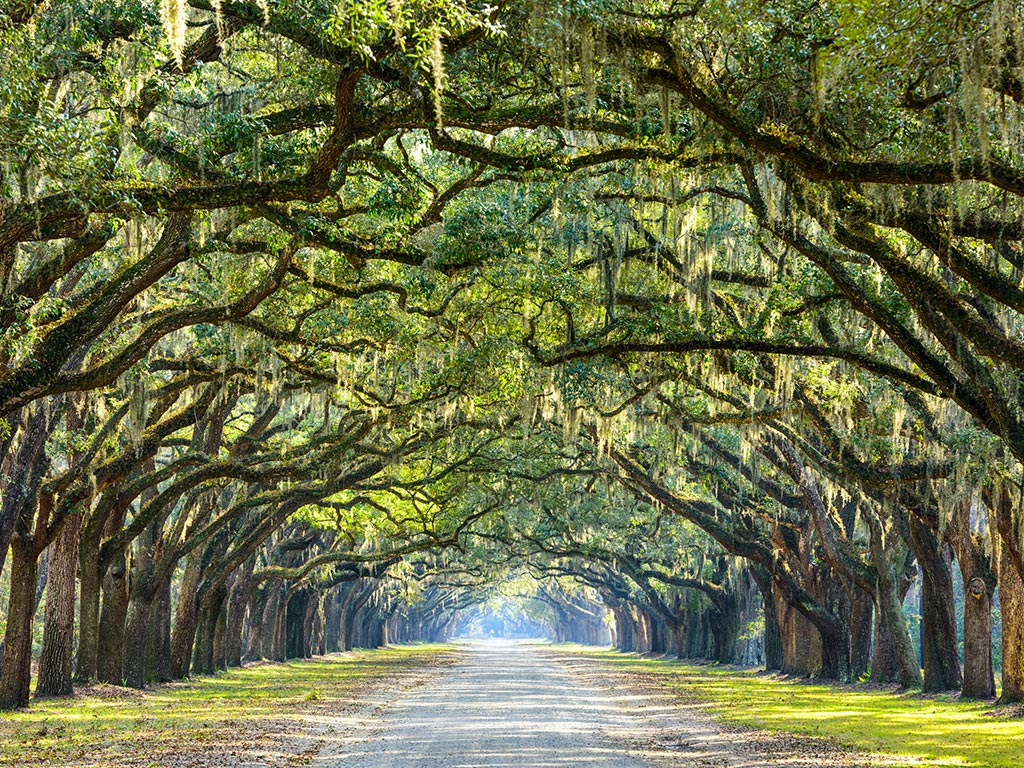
column 88, row 612
column 55, row 660
column 185, row 618
column 1011, row 603
column 979, row 678
column 861, row 625
column 158, row 636
column 939, row 645
column 15, row 677
column 136, row 636
column 114, row 611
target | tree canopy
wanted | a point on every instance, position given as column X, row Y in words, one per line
column 693, row 326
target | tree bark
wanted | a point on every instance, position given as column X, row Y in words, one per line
column 158, row 636
column 1009, row 562
column 1011, row 603
column 185, row 618
column 801, row 642
column 103, row 521
column 332, row 621
column 861, row 625
column 835, row 654
column 894, row 659
column 88, row 622
column 238, row 604
column 204, row 655
column 979, row 586
column 725, row 627
column 219, row 614
column 939, row 645
column 268, row 623
column 55, row 660
column 979, row 677
column 114, row 611
column 772, row 636
column 17, row 664
column 135, row 639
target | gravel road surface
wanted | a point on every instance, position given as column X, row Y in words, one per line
column 504, row 705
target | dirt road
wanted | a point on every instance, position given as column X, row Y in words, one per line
column 508, row 705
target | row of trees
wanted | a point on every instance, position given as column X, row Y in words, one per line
column 322, row 318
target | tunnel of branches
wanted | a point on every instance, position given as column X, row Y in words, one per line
column 692, row 328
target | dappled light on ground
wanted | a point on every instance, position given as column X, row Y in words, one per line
column 265, row 715
column 510, row 704
column 515, row 704
column 503, row 707
column 920, row 730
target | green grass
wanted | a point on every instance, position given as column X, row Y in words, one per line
column 233, row 715
column 930, row 731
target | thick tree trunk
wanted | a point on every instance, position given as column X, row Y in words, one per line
column 979, row 585
column 894, row 658
column 773, row 658
column 204, row 659
column 141, row 596
column 772, row 637
column 861, row 625
column 58, row 648
column 343, row 614
column 1011, row 604
column 202, row 647
column 279, row 649
column 680, row 639
column 355, row 624
column 253, row 617
column 643, row 644
column 627, row 629
column 1004, row 512
column 27, row 467
column 939, row 645
column 185, row 618
column 268, row 624
column 979, row 677
column 801, row 642
column 135, row 640
column 158, row 636
column 16, row 675
column 104, row 521
column 311, row 623
column 725, row 626
column 55, row 660
column 332, row 621
column 835, row 654
column 88, row 623
column 220, row 624
column 238, row 604
column 700, row 644
column 110, row 655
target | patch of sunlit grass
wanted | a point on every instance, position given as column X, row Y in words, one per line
column 934, row 731
column 108, row 726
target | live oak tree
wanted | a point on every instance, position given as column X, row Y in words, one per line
column 333, row 315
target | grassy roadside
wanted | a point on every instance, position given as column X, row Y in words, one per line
column 930, row 731
column 265, row 713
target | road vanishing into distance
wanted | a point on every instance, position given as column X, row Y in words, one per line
column 505, row 704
